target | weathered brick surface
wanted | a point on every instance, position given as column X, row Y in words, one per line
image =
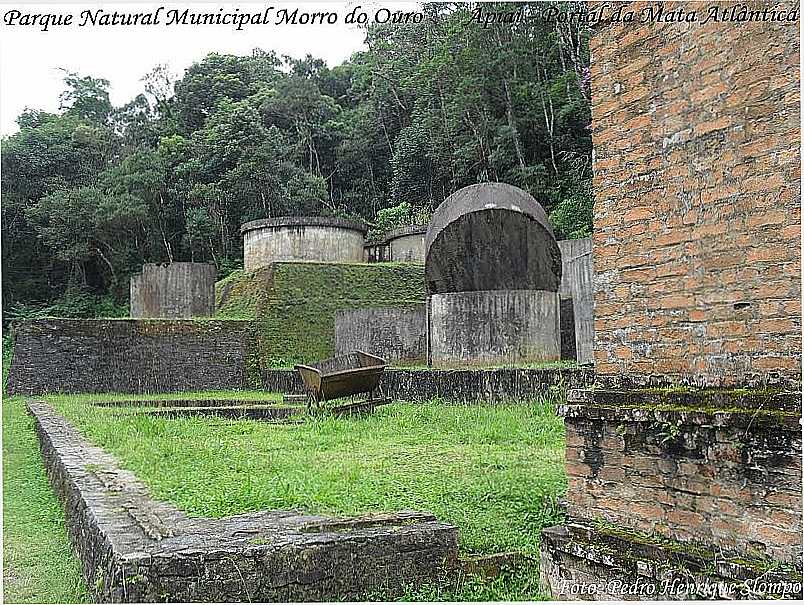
column 581, row 561
column 129, row 356
column 730, row 477
column 696, row 133
column 135, row 549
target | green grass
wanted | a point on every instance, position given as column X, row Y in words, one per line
column 494, row 471
column 38, row 563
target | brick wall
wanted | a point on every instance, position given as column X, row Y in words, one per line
column 697, row 212
column 731, row 479
column 130, row 356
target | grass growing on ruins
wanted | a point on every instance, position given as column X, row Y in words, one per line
column 295, row 304
column 38, row 563
column 494, row 471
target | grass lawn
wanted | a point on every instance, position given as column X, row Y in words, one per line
column 38, row 563
column 495, row 471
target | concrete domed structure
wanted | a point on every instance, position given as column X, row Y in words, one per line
column 493, row 270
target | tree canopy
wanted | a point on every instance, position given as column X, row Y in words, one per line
column 94, row 191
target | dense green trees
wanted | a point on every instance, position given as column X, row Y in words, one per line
column 93, row 192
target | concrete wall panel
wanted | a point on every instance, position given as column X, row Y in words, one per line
column 301, row 239
column 577, row 286
column 173, row 290
column 395, row 334
column 491, row 327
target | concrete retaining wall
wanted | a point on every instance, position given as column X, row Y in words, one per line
column 577, row 286
column 395, row 334
column 173, row 290
column 456, row 385
column 494, row 327
column 129, row 356
column 301, row 239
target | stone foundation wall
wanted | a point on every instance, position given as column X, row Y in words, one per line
column 590, row 562
column 135, row 549
column 130, row 356
column 456, row 385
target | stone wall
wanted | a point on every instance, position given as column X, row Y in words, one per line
column 175, row 290
column 493, row 327
column 398, row 335
column 696, row 130
column 318, row 239
column 591, row 562
column 135, row 549
column 577, row 290
column 129, row 356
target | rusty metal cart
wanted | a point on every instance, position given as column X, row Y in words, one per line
column 344, row 376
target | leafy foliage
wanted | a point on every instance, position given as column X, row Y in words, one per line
column 94, row 191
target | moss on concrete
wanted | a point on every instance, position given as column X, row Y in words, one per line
column 294, row 304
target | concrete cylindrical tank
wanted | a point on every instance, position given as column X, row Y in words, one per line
column 173, row 290
column 493, row 270
column 406, row 244
column 313, row 239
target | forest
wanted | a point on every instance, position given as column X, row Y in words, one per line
column 92, row 192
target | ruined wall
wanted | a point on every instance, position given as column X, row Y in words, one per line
column 696, row 133
column 130, row 356
column 376, row 253
column 319, row 239
column 578, row 297
column 134, row 549
column 295, row 305
column 173, row 290
column 493, row 270
column 398, row 335
column 732, row 478
column 464, row 385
